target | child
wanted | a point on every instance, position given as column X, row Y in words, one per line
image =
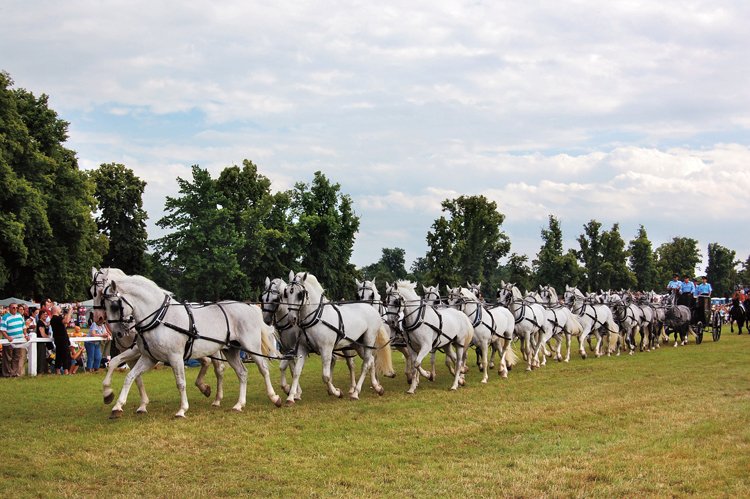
column 76, row 356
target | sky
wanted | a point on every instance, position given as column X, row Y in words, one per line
column 627, row 112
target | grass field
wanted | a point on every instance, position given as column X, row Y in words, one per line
column 673, row 422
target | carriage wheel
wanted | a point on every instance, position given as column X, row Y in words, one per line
column 716, row 333
column 698, row 334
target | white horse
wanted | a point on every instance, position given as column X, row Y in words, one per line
column 593, row 317
column 491, row 327
column 172, row 332
column 627, row 315
column 530, row 321
column 427, row 329
column 367, row 292
column 561, row 315
column 330, row 328
column 123, row 335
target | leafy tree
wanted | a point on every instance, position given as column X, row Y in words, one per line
column 470, row 239
column 418, row 270
column 389, row 268
column 548, row 268
column 326, row 225
column 679, row 256
column 615, row 273
column 204, row 241
column 48, row 237
column 744, row 275
column 721, row 271
column 119, row 194
column 643, row 262
column 591, row 255
column 263, row 222
column 517, row 271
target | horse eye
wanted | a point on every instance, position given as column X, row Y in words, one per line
column 300, row 295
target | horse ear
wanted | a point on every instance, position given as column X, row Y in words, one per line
column 359, row 284
column 113, row 286
column 304, row 277
column 291, row 275
column 373, row 281
column 268, row 281
column 93, row 272
column 424, row 289
column 502, row 283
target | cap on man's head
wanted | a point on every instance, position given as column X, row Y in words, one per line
column 676, row 275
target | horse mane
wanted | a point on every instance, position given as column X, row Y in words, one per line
column 467, row 294
column 139, row 279
column 406, row 284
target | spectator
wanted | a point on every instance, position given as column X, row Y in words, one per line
column 60, row 337
column 13, row 327
column 93, row 348
column 76, row 357
column 42, row 349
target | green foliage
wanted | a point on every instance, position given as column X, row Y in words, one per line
column 590, row 254
column 122, row 219
column 721, row 271
column 679, row 256
column 643, row 261
column 551, row 266
column 615, row 273
column 204, row 242
column 517, row 271
column 467, row 244
column 389, row 268
column 48, row 237
column 325, row 228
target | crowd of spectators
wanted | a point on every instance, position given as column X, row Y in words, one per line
column 60, row 322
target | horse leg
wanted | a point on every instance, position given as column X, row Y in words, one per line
column 485, row 361
column 219, row 373
column 418, row 357
column 141, row 392
column 178, row 369
column 283, row 365
column 568, row 341
column 235, row 360
column 582, row 341
column 129, row 355
column 264, row 371
column 326, row 357
column 407, row 363
column 203, row 387
column 144, row 364
column 368, row 362
column 297, row 365
column 459, row 366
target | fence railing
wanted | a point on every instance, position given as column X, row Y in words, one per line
column 34, row 341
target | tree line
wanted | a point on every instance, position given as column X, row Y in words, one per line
column 224, row 235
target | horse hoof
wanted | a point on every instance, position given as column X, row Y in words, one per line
column 289, row 402
column 205, row 390
column 276, row 401
column 454, row 388
column 353, row 396
column 432, row 377
column 380, row 391
column 410, row 392
column 115, row 414
column 179, row 416
column 237, row 409
column 216, row 403
column 109, row 398
column 338, row 394
column 141, row 411
column 286, row 388
column 461, row 382
column 484, row 381
column 390, row 375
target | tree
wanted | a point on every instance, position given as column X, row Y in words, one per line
column 204, row 244
column 469, row 243
column 389, row 268
column 643, row 262
column 418, row 270
column 263, row 222
column 547, row 265
column 517, row 271
column 326, row 226
column 591, row 255
column 122, row 219
column 721, row 271
column 615, row 273
column 48, row 237
column 679, row 256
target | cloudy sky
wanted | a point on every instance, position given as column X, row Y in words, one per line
column 625, row 111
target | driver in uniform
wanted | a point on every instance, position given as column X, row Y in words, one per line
column 674, row 284
column 703, row 293
column 687, row 289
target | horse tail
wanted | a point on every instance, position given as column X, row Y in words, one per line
column 511, row 358
column 268, row 340
column 383, row 360
column 470, row 335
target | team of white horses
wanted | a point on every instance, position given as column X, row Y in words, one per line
column 295, row 319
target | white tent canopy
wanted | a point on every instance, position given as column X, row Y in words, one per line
column 8, row 301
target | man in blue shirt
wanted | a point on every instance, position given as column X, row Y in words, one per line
column 687, row 288
column 13, row 327
column 674, row 284
column 703, row 295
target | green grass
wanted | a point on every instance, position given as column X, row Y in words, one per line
column 673, row 422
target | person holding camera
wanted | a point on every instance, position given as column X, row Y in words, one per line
column 60, row 338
